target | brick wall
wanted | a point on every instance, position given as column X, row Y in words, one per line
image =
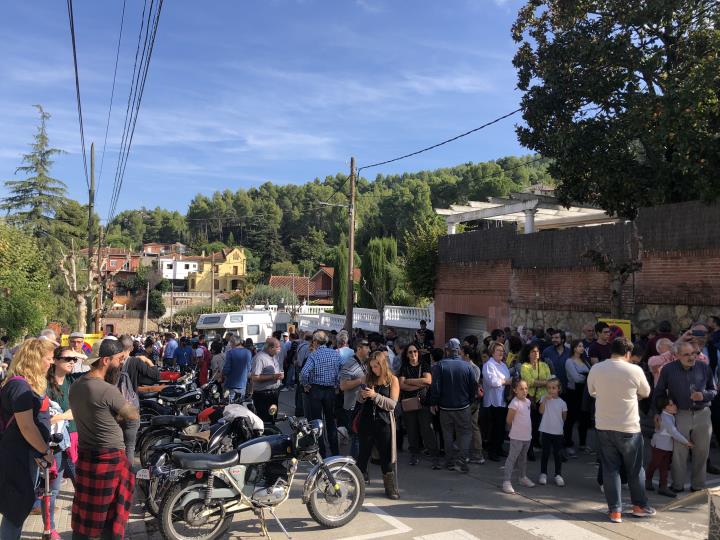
column 543, row 278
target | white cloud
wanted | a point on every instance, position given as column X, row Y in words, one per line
column 369, row 6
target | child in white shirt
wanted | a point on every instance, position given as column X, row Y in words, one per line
column 518, row 418
column 554, row 413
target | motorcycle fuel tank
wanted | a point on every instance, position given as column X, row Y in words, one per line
column 264, row 449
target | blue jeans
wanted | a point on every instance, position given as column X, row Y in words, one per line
column 618, row 449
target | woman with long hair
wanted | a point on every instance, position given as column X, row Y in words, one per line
column 379, row 395
column 24, row 411
column 577, row 368
column 536, row 373
column 416, row 378
column 59, row 378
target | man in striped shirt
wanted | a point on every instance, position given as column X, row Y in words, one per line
column 319, row 378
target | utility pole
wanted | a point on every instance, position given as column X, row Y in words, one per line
column 91, row 240
column 147, row 306
column 172, row 293
column 212, row 283
column 351, row 253
column 101, row 282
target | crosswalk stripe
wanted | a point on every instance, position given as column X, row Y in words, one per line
column 457, row 534
column 550, row 527
column 398, row 527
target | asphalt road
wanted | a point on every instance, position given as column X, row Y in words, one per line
column 441, row 505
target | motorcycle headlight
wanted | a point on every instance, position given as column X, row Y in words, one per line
column 160, row 401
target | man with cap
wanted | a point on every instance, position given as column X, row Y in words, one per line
column 453, row 390
column 77, row 343
column 104, row 479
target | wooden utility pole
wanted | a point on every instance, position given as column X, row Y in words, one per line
column 91, row 239
column 212, row 283
column 351, row 253
column 147, row 306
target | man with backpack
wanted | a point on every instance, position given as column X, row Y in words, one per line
column 134, row 369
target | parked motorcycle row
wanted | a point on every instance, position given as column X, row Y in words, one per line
column 205, row 460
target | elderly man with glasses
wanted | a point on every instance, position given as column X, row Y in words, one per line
column 690, row 384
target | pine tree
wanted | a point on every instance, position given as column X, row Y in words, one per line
column 231, row 240
column 340, row 276
column 32, row 203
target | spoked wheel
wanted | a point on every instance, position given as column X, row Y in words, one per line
column 335, row 508
column 184, row 515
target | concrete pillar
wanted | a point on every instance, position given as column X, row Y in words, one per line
column 452, row 228
column 530, row 221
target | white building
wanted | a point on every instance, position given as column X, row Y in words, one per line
column 177, row 268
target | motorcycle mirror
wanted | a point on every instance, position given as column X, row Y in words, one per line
column 273, row 410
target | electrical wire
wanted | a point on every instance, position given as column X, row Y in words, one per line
column 140, row 78
column 77, row 90
column 112, row 95
column 441, row 143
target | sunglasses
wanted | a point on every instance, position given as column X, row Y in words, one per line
column 68, row 358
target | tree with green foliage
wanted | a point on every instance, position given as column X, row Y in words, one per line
column 622, row 95
column 24, row 277
column 339, row 280
column 421, row 258
column 265, row 294
column 156, row 306
column 32, row 203
column 284, row 268
column 380, row 274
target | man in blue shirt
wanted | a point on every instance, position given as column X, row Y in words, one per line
column 319, row 378
column 236, row 369
column 168, row 355
column 184, row 354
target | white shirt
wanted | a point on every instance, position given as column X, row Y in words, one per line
column 494, row 376
column 616, row 385
column 521, row 428
column 552, row 421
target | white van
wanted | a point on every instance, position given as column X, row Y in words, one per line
column 256, row 325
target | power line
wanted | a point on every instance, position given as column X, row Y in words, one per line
column 441, row 143
column 135, row 99
column 77, row 89
column 486, row 177
column 112, row 95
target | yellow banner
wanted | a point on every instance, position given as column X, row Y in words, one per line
column 619, row 327
column 90, row 339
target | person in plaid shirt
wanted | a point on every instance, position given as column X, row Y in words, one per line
column 103, row 481
column 319, row 378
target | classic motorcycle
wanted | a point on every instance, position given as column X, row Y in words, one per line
column 208, row 490
column 237, row 425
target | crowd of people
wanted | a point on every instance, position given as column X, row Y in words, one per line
column 502, row 397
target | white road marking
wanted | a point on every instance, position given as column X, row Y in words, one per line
column 553, row 528
column 457, row 534
column 398, row 527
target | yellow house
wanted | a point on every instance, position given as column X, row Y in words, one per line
column 230, row 268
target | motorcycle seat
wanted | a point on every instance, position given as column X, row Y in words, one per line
column 148, row 395
column 178, row 422
column 205, row 462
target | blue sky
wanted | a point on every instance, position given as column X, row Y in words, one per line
column 242, row 92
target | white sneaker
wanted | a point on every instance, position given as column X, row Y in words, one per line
column 542, row 479
column 559, row 481
column 526, row 482
column 507, row 487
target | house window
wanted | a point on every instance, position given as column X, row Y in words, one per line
column 169, row 266
column 216, row 284
column 216, row 268
column 112, row 263
column 235, row 270
column 187, row 267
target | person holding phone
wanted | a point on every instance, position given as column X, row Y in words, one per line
column 24, row 445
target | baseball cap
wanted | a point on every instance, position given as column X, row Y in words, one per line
column 110, row 346
column 453, row 344
column 77, row 335
column 286, row 334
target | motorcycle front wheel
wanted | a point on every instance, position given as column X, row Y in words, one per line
column 335, row 508
column 180, row 514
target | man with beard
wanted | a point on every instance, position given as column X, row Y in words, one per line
column 104, row 480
